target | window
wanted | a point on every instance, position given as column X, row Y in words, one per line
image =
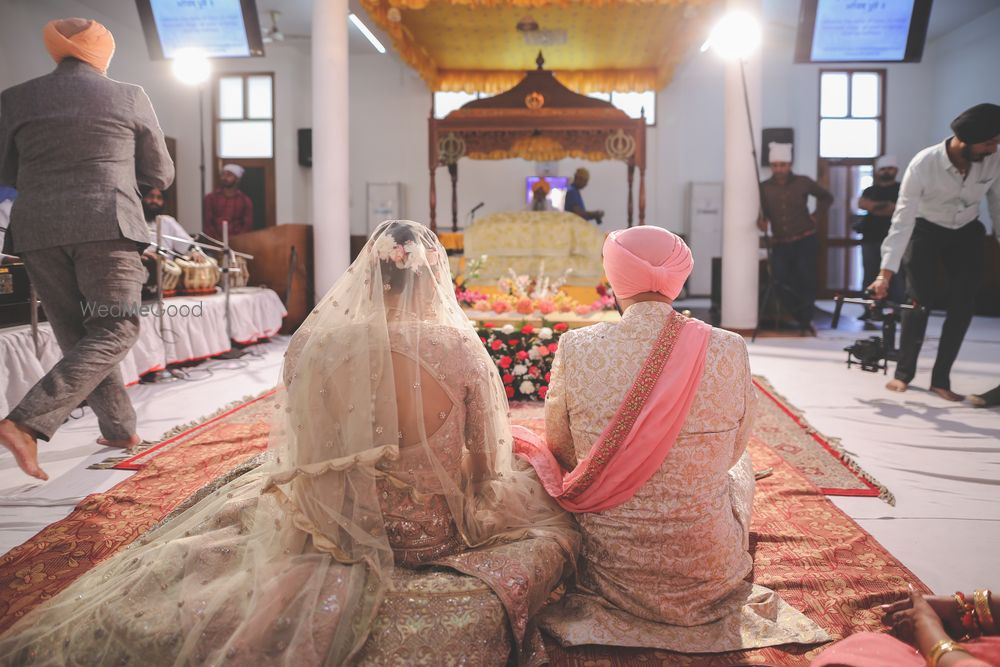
column 851, row 113
column 245, row 116
column 634, row 104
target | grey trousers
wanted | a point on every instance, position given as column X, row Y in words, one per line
column 91, row 293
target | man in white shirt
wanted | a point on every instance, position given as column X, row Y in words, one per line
column 937, row 214
column 152, row 209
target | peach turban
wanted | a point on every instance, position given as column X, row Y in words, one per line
column 82, row 39
column 646, row 259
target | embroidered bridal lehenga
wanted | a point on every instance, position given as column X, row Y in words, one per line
column 389, row 520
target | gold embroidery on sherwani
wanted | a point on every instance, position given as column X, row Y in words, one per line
column 633, row 404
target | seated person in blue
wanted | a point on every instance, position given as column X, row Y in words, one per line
column 574, row 200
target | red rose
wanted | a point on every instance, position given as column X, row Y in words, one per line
column 562, row 326
column 548, row 376
column 521, row 355
column 510, row 391
column 533, row 371
column 542, row 391
column 507, row 378
column 505, row 362
column 482, row 338
column 553, row 347
column 496, row 344
column 488, row 325
column 513, row 342
column 527, row 329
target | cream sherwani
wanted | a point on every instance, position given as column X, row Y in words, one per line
column 668, row 567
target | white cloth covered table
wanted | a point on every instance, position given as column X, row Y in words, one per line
column 256, row 313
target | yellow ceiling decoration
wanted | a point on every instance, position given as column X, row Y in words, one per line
column 610, row 45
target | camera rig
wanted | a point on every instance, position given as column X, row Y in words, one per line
column 874, row 354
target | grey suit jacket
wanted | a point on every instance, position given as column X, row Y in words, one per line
column 76, row 145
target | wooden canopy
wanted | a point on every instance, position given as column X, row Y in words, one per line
column 539, row 119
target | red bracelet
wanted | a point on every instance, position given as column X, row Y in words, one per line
column 966, row 613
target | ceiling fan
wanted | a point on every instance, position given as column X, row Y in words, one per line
column 274, row 35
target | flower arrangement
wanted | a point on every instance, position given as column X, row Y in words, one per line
column 523, row 356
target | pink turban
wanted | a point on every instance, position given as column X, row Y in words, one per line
column 646, row 259
column 82, row 39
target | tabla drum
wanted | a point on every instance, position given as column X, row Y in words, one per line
column 199, row 273
column 239, row 276
column 171, row 276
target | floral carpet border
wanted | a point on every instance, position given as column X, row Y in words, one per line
column 832, row 447
column 136, row 457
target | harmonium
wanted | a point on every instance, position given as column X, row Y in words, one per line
column 15, row 295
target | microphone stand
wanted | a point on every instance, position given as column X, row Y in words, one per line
column 165, row 374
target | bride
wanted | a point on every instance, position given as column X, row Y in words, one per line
column 389, row 469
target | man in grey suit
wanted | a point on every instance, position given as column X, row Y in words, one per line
column 77, row 145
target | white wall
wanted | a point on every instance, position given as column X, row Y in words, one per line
column 23, row 56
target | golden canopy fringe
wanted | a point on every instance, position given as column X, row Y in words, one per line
column 387, row 14
column 422, row 4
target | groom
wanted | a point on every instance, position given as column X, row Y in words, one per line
column 647, row 422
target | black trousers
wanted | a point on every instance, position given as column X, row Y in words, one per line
column 794, row 268
column 961, row 252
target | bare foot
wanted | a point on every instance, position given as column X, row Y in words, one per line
column 22, row 444
column 896, row 385
column 132, row 441
column 947, row 394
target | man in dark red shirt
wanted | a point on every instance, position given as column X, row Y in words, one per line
column 228, row 203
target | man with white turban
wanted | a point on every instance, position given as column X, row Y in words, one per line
column 794, row 244
column 77, row 144
column 647, row 424
column 228, row 203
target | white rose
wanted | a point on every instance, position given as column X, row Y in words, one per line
column 383, row 246
column 533, row 354
column 507, row 329
column 527, row 387
column 545, row 333
column 520, row 369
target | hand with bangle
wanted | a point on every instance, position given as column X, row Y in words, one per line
column 935, row 624
column 880, row 286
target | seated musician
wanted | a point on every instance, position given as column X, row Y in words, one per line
column 152, row 209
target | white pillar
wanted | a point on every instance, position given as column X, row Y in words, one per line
column 740, row 190
column 330, row 143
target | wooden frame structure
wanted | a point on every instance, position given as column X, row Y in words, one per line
column 539, row 119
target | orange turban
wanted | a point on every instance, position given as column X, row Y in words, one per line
column 82, row 39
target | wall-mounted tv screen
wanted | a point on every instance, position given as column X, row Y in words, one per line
column 556, row 196
column 219, row 28
column 862, row 31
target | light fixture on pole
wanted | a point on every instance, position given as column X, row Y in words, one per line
column 192, row 68
column 736, row 37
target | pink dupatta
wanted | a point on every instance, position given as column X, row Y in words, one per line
column 642, row 432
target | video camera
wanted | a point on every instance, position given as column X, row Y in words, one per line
column 874, row 354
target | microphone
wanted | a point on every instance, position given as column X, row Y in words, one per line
column 477, row 207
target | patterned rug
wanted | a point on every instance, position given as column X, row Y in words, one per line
column 782, row 427
column 806, row 549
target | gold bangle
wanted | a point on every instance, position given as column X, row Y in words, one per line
column 939, row 649
column 984, row 615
